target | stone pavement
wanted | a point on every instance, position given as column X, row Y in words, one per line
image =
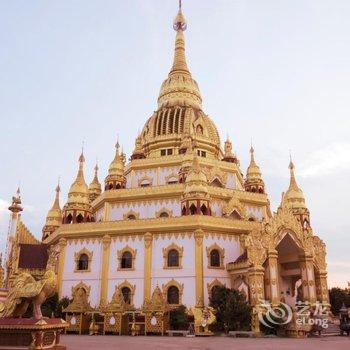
column 85, row 342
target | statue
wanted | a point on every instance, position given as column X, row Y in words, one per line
column 203, row 318
column 26, row 290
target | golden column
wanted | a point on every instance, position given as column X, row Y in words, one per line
column 148, row 238
column 198, row 235
column 107, row 208
column 308, row 278
column 62, row 243
column 273, row 277
column 321, row 287
column 106, row 245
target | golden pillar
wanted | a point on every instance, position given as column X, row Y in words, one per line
column 198, row 235
column 321, row 287
column 148, row 238
column 273, row 292
column 107, row 207
column 256, row 283
column 308, row 278
column 106, row 247
column 62, row 243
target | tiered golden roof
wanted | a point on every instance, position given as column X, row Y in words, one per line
column 254, row 181
column 79, row 191
column 179, row 113
column 95, row 186
column 54, row 216
column 294, row 197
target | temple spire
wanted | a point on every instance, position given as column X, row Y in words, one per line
column 179, row 26
column 254, row 181
column 293, row 182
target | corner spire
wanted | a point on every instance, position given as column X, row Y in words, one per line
column 293, row 182
column 254, row 181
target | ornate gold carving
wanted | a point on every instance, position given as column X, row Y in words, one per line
column 172, row 177
column 212, row 284
column 132, row 289
column 80, row 296
column 164, row 210
column 221, row 251
column 173, row 282
column 131, row 213
column 77, row 256
column 145, row 180
column 234, row 204
column 166, row 251
column 120, row 255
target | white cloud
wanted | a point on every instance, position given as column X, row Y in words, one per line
column 3, row 207
column 331, row 159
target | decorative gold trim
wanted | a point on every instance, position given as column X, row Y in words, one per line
column 180, row 287
column 171, row 176
column 145, row 178
column 120, row 255
column 166, row 251
column 164, row 210
column 131, row 212
column 106, row 244
column 198, row 236
column 148, row 239
column 62, row 243
column 212, row 284
column 221, row 251
column 77, row 256
column 132, row 288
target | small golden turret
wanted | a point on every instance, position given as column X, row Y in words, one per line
column 254, row 181
column 78, row 208
column 115, row 178
column 295, row 200
column 95, row 186
column 196, row 199
column 229, row 156
column 54, row 216
column 138, row 152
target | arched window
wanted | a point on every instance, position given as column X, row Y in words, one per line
column 131, row 217
column 173, row 295
column 69, row 219
column 215, row 258
column 173, row 258
column 204, row 209
column 193, row 209
column 199, row 129
column 80, row 218
column 164, row 214
column 184, row 210
column 126, row 261
column 126, row 292
column 83, row 263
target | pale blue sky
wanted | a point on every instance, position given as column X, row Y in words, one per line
column 274, row 71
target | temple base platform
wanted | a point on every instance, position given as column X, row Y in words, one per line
column 30, row 333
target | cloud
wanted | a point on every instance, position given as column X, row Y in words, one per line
column 3, row 207
column 331, row 159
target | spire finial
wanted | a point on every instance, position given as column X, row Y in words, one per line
column 58, row 188
column 293, row 181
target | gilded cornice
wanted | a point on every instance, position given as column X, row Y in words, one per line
column 152, row 193
column 154, row 225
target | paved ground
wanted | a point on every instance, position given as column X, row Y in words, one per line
column 75, row 342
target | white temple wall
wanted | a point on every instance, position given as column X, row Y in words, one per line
column 135, row 276
column 216, row 208
column 91, row 278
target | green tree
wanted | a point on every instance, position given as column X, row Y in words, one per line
column 337, row 297
column 232, row 310
column 178, row 318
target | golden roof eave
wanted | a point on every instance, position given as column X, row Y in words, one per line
column 154, row 225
